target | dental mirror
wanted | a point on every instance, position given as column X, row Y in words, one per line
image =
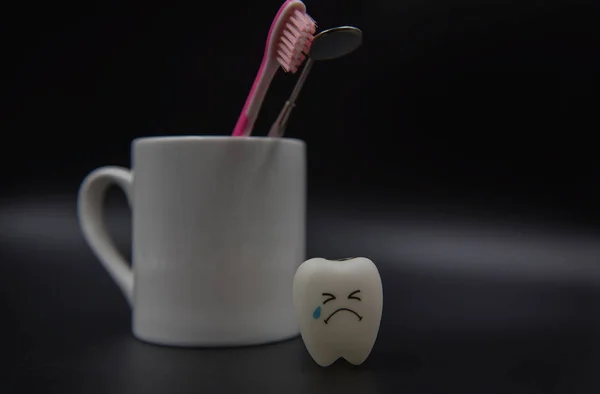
column 334, row 43
column 327, row 45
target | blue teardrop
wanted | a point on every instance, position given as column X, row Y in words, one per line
column 317, row 312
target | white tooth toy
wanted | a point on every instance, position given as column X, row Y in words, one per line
column 339, row 305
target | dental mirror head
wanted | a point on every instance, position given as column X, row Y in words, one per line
column 327, row 45
column 335, row 42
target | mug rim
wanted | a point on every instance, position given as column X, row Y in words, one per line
column 214, row 138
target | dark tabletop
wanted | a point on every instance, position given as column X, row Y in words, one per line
column 474, row 303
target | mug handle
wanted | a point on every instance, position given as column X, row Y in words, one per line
column 90, row 201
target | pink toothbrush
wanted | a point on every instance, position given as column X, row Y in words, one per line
column 288, row 41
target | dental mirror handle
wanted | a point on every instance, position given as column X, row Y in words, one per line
column 280, row 124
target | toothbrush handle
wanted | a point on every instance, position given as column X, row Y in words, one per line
column 263, row 79
column 280, row 124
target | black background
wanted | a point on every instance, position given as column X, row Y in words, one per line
column 457, row 146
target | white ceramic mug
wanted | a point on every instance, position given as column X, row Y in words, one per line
column 218, row 233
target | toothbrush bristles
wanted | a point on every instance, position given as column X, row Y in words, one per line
column 295, row 41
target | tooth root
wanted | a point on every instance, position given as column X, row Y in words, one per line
column 358, row 355
column 348, row 294
column 320, row 353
